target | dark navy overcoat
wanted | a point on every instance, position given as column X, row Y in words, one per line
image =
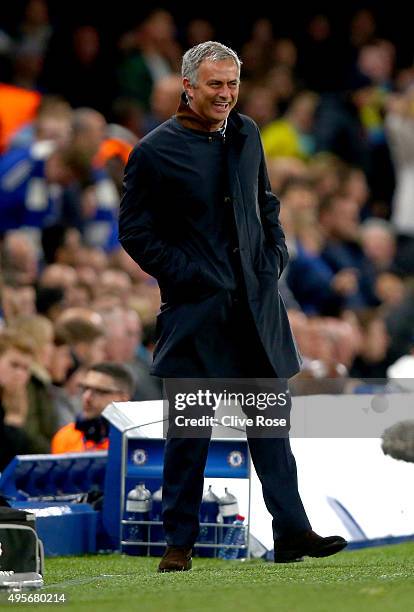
column 169, row 231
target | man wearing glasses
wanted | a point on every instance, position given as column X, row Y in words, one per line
column 103, row 383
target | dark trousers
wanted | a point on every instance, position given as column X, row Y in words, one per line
column 184, row 463
column 185, row 460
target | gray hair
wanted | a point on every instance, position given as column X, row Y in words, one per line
column 210, row 50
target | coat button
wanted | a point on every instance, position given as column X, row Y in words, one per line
column 227, row 200
column 210, row 139
column 236, row 250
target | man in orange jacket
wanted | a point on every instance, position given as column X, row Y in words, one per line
column 103, row 383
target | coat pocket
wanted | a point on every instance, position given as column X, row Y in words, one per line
column 269, row 262
column 184, row 318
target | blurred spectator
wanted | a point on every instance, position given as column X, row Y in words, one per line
column 390, row 290
column 61, row 360
column 116, row 281
column 257, row 51
column 327, row 173
column 320, row 48
column 58, row 275
column 85, row 314
column 124, row 338
column 400, row 325
column 41, row 422
column 347, row 336
column 20, row 257
column 66, row 406
column 338, row 129
column 101, row 384
column 400, row 129
column 339, row 218
column 92, row 204
column 30, row 45
column 165, row 99
column 198, row 31
column 88, row 78
column 299, row 196
column 371, row 362
column 282, row 169
column 27, row 67
column 50, row 302
column 373, row 84
column 16, row 356
column 379, row 243
column 317, row 288
column 31, row 183
column 355, row 186
column 89, row 131
column 363, row 28
column 16, row 299
column 127, row 113
column 375, row 65
column 259, row 104
column 151, row 53
column 321, row 372
column 79, row 295
column 114, row 152
column 82, row 330
column 52, row 122
column 285, row 53
column 86, row 339
column 282, row 86
column 292, row 135
column 379, row 246
column 35, row 28
column 57, row 242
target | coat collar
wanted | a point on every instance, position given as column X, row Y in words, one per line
column 189, row 119
column 235, row 129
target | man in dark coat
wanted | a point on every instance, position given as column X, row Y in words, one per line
column 198, row 215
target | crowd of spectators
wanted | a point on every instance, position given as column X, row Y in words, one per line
column 339, row 141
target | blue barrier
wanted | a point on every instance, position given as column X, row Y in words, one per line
column 39, row 476
column 48, row 485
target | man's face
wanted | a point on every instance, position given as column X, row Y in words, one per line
column 216, row 91
column 14, row 368
column 99, row 390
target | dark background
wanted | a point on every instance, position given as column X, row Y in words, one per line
column 233, row 21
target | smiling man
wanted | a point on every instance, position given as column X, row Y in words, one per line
column 198, row 214
column 215, row 92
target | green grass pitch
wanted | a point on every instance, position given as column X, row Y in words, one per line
column 377, row 579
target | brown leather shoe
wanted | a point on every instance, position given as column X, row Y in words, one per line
column 309, row 544
column 176, row 559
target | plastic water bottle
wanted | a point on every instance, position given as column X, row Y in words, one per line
column 229, row 509
column 138, row 507
column 157, row 531
column 228, row 506
column 236, row 536
column 209, row 510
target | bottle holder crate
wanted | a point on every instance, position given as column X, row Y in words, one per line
column 148, row 547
